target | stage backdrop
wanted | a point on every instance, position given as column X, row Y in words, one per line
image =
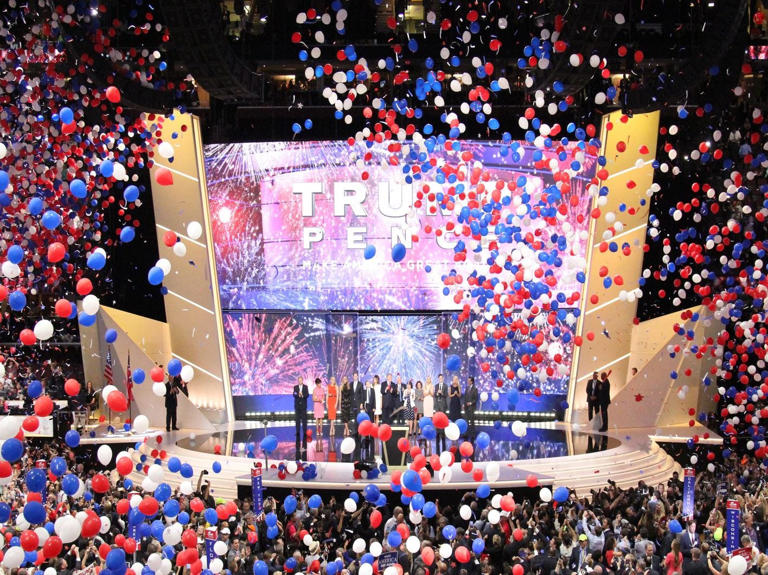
column 291, row 222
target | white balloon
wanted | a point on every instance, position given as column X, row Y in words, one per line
column 307, row 540
column 347, row 446
column 42, row 535
column 3, row 150
column 104, row 454
column 494, row 516
column 415, row 517
column 187, row 373
column 445, row 458
column 155, row 559
column 148, row 485
column 8, row 428
column 10, row 270
column 158, row 388
column 365, row 569
column 66, row 527
column 170, row 535
column 358, row 545
column 492, row 471
column 519, row 428
column 137, row 567
column 140, row 424
column 186, row 487
column 349, row 504
column 23, row 524
column 220, row 547
column 291, row 467
column 106, row 524
column 134, row 501
column 412, row 544
column 445, row 474
column 164, row 265
column 43, row 330
column 737, row 565
column 91, row 304
column 80, row 489
column 156, row 473
column 376, row 549
column 452, row 432
column 545, row 494
column 445, row 550
column 496, row 500
column 465, row 512
column 165, row 149
column 179, row 249
column 50, row 571
column 194, row 230
column 13, row 558
column 217, row 565
column 391, row 570
column 110, row 388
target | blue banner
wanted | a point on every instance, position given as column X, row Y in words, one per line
column 732, row 520
column 211, row 536
column 133, row 532
column 258, row 491
column 689, row 483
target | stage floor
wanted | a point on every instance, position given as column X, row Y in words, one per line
column 557, row 453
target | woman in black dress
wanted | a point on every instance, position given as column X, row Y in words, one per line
column 454, row 395
column 347, row 413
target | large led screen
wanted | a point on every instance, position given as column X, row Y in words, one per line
column 291, row 221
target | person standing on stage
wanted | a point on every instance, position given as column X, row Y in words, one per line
column 470, row 405
column 441, row 404
column 390, row 401
column 429, row 398
column 318, row 407
column 409, row 396
column 454, row 403
column 359, row 391
column 171, row 404
column 592, row 406
column 300, row 394
column 347, row 403
column 400, row 402
column 419, row 402
column 378, row 400
column 332, row 401
column 604, row 398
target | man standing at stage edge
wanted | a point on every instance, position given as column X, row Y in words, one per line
column 470, row 405
column 300, row 393
column 604, row 398
column 592, row 406
column 441, row 404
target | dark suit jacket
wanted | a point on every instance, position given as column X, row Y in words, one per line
column 300, row 403
column 470, row 399
column 370, row 399
column 573, row 564
column 685, row 544
column 591, row 385
column 441, row 403
column 699, row 567
column 171, row 399
column 604, row 393
column 358, row 394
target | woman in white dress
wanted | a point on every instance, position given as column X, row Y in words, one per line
column 429, row 398
column 377, row 396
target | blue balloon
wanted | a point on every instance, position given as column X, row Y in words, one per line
column 478, row 545
column 186, row 470
column 162, row 492
column 85, row 319
column 96, row 261
column 453, row 362
column 260, row 568
column 155, row 276
column 362, row 416
column 513, row 396
column 35, row 206
column 156, row 529
column 36, row 480
column 398, row 252
column 70, row 484
column 269, row 444
column 78, row 188
column 127, row 234
column 462, row 425
column 107, row 168
column 138, row 376
column 411, row 480
column 272, row 531
column 72, row 438
column 15, row 254
column 429, row 432
column 17, row 300
column 110, row 336
column 135, row 517
column 174, row 367
column 115, row 559
column 12, row 450
column 216, row 467
column 174, row 463
column 483, row 490
column 381, row 501
column 34, row 512
column 4, row 180
column 561, row 494
column 183, row 518
column 449, row 532
column 270, row 519
column 289, row 504
column 371, row 493
column 50, row 220
column 211, row 516
column 369, row 252
column 429, row 510
column 483, row 440
column 131, row 194
column 354, row 497
column 5, row 512
column 66, row 115
column 171, row 508
column 675, row 527
column 417, row 502
column 394, row 538
column 315, row 501
column 35, row 388
column 58, row 466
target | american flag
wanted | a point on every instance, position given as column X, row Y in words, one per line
column 129, row 380
column 108, row 367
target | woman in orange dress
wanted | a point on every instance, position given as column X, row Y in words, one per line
column 332, row 399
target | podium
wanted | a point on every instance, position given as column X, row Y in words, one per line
column 390, row 454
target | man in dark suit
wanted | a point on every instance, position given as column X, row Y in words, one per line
column 697, row 565
column 441, row 404
column 358, row 392
column 689, row 540
column 470, row 405
column 300, row 394
column 171, row 403
column 604, row 398
column 592, row 385
column 579, row 554
column 388, row 399
column 400, row 389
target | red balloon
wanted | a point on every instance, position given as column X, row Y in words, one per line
column 5, row 469
column 149, row 507
column 462, row 554
column 517, row 534
column 113, row 94
column 444, row 341
column 84, row 286
column 43, row 406
column 72, row 387
column 164, row 177
column 170, row 238
column 231, row 508
column 124, row 465
column 365, row 427
column 119, row 539
column 532, row 481
column 375, row 518
column 403, row 445
column 403, row 530
column 428, row 555
column 477, row 474
column 157, row 373
column 187, row 556
column 425, row 476
column 414, row 451
column 221, row 512
column 100, row 483
column 29, row 540
column 385, row 432
column 466, row 465
column 434, row 461
column 440, row 420
column 56, row 252
column 117, row 401
column 419, row 462
column 27, row 337
column 197, row 505
column 517, row 569
column 130, row 546
column 196, row 568
column 466, row 449
column 507, row 503
column 123, row 505
column 189, row 539
column 52, row 546
column 104, row 550
column 91, row 526
column 63, row 308
column 31, row 423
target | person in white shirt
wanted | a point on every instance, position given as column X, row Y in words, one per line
column 595, row 534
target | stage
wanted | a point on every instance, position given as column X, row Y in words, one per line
column 558, row 454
